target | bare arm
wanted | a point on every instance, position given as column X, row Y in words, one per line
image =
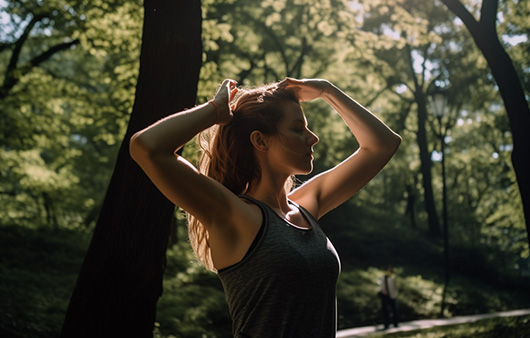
column 153, row 148
column 377, row 144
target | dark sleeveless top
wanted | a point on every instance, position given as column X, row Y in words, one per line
column 285, row 285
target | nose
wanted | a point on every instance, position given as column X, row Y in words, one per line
column 312, row 138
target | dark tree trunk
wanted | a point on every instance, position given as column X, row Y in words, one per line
column 121, row 278
column 411, row 204
column 425, row 154
column 484, row 32
column 425, row 166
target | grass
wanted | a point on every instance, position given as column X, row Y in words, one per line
column 38, row 270
column 39, row 267
column 502, row 327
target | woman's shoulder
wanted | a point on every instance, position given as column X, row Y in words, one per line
column 231, row 238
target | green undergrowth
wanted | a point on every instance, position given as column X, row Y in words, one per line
column 38, row 270
column 39, row 267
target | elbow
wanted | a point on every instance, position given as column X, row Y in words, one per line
column 385, row 145
column 138, row 149
column 392, row 143
column 395, row 142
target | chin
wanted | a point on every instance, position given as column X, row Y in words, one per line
column 306, row 171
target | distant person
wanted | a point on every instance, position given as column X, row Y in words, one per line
column 388, row 293
column 246, row 222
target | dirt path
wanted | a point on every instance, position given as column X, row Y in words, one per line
column 427, row 323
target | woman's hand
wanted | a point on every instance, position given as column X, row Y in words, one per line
column 307, row 89
column 225, row 94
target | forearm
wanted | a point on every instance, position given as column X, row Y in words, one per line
column 370, row 132
column 172, row 132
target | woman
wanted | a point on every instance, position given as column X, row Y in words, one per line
column 278, row 269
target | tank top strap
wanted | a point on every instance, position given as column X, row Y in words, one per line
column 310, row 218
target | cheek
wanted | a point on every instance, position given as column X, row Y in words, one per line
column 300, row 141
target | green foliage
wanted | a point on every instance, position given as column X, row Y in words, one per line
column 257, row 44
column 39, row 266
column 63, row 120
column 193, row 303
column 66, row 117
column 359, row 304
column 514, row 31
column 38, row 270
column 368, row 243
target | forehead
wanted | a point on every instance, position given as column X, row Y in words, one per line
column 292, row 112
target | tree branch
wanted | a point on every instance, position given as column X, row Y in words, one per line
column 268, row 31
column 297, row 67
column 5, row 45
column 11, row 79
column 488, row 15
column 18, row 47
column 458, row 8
column 244, row 73
column 410, row 65
column 278, row 43
column 52, row 50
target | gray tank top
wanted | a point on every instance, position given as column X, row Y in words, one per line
column 285, row 285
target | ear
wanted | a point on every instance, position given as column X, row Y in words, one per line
column 259, row 141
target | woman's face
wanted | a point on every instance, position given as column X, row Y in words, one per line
column 292, row 147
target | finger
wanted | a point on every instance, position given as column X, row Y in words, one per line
column 231, row 84
column 233, row 93
column 291, row 82
column 287, row 82
column 221, row 87
column 225, row 84
column 228, row 84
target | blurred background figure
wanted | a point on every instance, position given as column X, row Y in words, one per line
column 388, row 292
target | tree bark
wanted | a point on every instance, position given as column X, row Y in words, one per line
column 425, row 154
column 121, row 278
column 484, row 32
column 425, row 168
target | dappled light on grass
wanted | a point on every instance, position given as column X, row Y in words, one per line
column 359, row 304
column 65, row 118
column 419, row 290
column 509, row 327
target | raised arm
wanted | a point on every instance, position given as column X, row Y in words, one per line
column 377, row 144
column 154, row 147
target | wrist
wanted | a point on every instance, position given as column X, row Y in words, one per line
column 216, row 109
column 328, row 92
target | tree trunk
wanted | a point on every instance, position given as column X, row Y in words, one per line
column 121, row 278
column 484, row 32
column 425, row 166
column 425, row 154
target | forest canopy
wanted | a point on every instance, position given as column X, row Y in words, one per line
column 68, row 71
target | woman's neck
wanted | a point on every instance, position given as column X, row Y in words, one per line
column 271, row 193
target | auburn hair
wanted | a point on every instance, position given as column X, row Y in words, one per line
column 227, row 154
